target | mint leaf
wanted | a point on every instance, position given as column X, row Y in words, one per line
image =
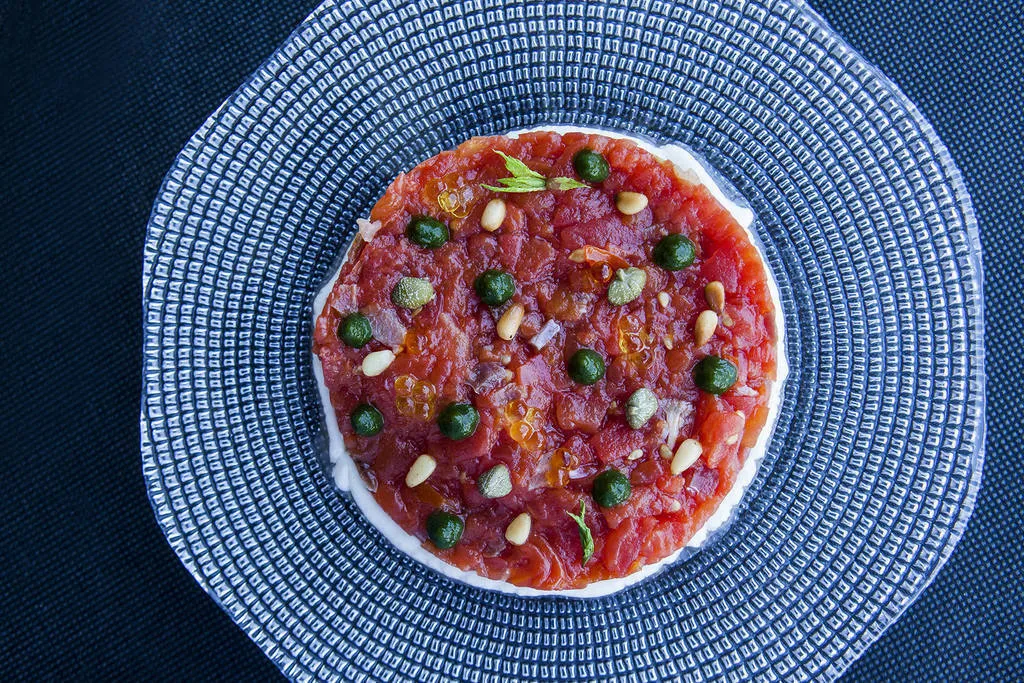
column 586, row 538
column 562, row 183
column 517, row 168
column 525, row 179
column 519, row 184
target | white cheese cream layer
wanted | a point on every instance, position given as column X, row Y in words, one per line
column 347, row 478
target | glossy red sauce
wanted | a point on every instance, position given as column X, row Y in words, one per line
column 553, row 434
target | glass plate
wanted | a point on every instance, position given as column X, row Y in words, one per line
column 876, row 459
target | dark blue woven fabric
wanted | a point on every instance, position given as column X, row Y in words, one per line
column 95, row 103
column 962, row 63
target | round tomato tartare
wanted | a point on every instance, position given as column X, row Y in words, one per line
column 549, row 356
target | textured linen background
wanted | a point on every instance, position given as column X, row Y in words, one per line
column 96, row 99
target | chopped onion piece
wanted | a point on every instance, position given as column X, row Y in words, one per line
column 676, row 411
column 487, row 376
column 744, row 390
column 367, row 229
column 386, row 326
column 546, row 334
column 583, row 471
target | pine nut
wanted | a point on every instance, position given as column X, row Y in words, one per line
column 493, row 215
column 510, row 321
column 377, row 362
column 518, row 529
column 664, row 299
column 577, row 256
column 635, row 454
column 704, row 329
column 665, row 451
column 668, row 342
column 420, row 471
column 630, row 203
column 714, row 293
column 686, row 455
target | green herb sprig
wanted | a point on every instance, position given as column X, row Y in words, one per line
column 586, row 538
column 525, row 179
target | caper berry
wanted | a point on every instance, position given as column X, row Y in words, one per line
column 412, row 292
column 444, row 529
column 641, row 407
column 495, row 482
column 590, row 165
column 586, row 366
column 674, row 252
column 611, row 488
column 366, row 420
column 458, row 421
column 494, row 287
column 354, row 330
column 714, row 375
column 427, row 232
column 626, row 286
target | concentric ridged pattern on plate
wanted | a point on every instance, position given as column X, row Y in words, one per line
column 876, row 460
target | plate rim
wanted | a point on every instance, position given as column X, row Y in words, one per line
column 823, row 32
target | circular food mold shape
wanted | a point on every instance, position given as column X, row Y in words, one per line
column 347, row 478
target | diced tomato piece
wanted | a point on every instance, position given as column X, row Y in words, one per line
column 577, row 413
column 722, row 433
column 621, row 547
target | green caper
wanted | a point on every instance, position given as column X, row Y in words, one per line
column 674, row 252
column 366, row 420
column 354, row 330
column 458, row 421
column 611, row 488
column 714, row 375
column 590, row 165
column 494, row 287
column 586, row 367
column 427, row 232
column 444, row 529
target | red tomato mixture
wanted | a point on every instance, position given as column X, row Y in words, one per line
column 649, row 467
